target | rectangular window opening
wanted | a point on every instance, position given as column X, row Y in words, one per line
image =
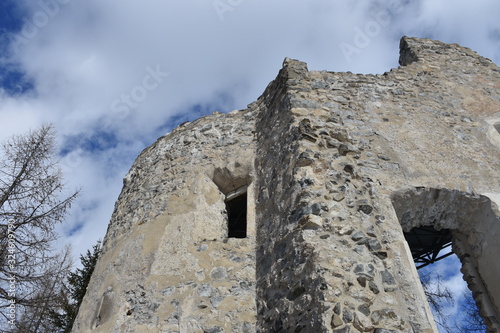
column 236, row 207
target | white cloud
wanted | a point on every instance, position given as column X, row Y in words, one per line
column 92, row 52
column 447, row 274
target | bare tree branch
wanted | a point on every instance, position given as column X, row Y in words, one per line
column 32, row 203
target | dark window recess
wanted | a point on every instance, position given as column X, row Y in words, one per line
column 237, row 216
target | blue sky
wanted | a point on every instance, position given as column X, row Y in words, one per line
column 445, row 274
column 113, row 76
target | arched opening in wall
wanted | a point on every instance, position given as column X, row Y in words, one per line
column 433, row 222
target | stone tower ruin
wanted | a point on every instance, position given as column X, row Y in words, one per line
column 289, row 216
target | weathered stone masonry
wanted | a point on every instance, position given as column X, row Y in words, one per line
column 335, row 167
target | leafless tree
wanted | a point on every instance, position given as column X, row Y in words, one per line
column 48, row 296
column 472, row 320
column 440, row 297
column 32, row 202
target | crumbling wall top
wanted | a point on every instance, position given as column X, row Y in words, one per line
column 412, row 49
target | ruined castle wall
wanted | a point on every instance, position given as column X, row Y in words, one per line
column 328, row 265
column 337, row 166
column 349, row 143
column 167, row 263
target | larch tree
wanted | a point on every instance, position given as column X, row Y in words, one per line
column 33, row 201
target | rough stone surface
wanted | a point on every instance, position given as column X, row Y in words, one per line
column 337, row 166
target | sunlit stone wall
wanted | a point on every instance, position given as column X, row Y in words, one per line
column 336, row 166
